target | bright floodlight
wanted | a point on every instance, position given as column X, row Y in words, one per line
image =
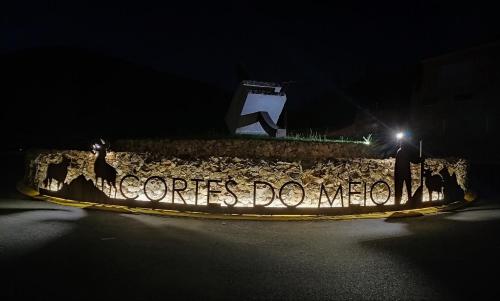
column 400, row 135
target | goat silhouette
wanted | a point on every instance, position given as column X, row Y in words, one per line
column 102, row 169
column 57, row 172
column 433, row 183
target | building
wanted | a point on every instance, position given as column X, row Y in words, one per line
column 455, row 99
column 449, row 101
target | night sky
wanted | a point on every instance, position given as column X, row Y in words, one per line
column 293, row 40
column 320, row 45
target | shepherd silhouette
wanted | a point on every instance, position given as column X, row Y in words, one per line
column 402, row 171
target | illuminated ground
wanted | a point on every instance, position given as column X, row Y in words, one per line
column 49, row 251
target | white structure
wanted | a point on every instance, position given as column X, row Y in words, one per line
column 256, row 108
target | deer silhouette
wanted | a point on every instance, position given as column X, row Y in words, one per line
column 57, row 172
column 102, row 169
column 433, row 183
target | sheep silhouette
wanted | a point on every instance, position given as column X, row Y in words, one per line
column 433, row 183
column 57, row 172
column 102, row 169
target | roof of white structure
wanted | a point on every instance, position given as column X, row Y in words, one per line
column 254, row 83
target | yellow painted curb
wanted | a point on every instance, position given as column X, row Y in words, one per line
column 123, row 209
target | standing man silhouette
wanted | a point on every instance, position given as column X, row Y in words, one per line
column 402, row 170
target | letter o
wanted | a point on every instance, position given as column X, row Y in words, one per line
column 290, row 183
column 371, row 191
column 164, row 184
column 121, row 187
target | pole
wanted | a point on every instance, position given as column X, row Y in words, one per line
column 421, row 172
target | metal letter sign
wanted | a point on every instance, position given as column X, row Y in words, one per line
column 174, row 188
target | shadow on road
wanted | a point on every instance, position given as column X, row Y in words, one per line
column 138, row 257
column 459, row 250
column 5, row 211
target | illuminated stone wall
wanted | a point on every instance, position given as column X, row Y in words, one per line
column 289, row 150
column 352, row 174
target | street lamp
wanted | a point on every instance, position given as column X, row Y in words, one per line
column 400, row 136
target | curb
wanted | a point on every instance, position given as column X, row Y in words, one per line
column 30, row 192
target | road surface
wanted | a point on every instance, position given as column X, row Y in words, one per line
column 52, row 252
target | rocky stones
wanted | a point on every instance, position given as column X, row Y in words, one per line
column 286, row 150
column 330, row 173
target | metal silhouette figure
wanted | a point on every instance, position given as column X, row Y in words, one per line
column 57, row 172
column 433, row 183
column 452, row 191
column 102, row 169
column 402, row 171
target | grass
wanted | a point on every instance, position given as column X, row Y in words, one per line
column 316, row 137
column 311, row 136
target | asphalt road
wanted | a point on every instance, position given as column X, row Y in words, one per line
column 52, row 252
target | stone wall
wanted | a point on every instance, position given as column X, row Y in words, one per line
column 311, row 175
column 248, row 148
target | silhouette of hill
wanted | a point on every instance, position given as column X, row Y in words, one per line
column 312, row 107
column 386, row 89
column 66, row 97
